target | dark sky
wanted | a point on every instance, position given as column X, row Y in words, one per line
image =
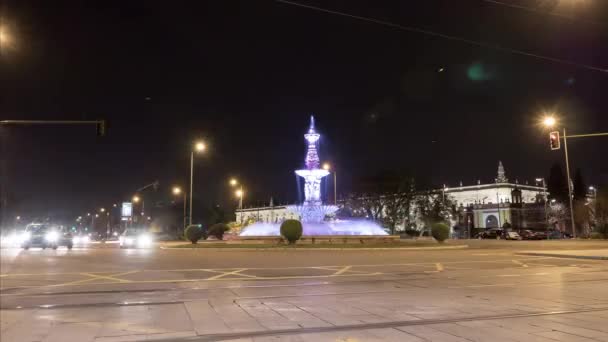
column 246, row 75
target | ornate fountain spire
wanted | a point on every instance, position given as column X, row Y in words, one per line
column 312, row 157
column 501, row 178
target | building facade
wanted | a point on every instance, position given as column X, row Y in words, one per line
column 481, row 206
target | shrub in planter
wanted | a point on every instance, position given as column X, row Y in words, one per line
column 194, row 233
column 440, row 231
column 291, row 230
column 218, row 230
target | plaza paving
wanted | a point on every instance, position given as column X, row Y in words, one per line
column 477, row 294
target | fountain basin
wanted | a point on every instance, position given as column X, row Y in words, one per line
column 332, row 228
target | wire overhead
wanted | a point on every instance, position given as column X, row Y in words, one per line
column 448, row 37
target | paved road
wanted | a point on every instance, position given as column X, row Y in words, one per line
column 489, row 294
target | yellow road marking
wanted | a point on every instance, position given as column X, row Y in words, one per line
column 422, row 264
column 439, row 267
column 519, row 263
column 236, row 272
column 342, row 270
column 98, row 276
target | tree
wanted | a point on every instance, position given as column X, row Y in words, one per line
column 600, row 207
column 580, row 189
column 557, row 213
column 582, row 209
column 557, row 186
column 398, row 205
column 371, row 205
column 433, row 207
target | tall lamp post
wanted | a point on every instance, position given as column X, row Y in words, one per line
column 177, row 191
column 239, row 193
column 137, row 199
column 327, row 167
column 551, row 122
column 199, row 146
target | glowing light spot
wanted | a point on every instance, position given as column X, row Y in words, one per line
column 477, row 72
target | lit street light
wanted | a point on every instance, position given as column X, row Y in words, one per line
column 238, row 193
column 327, row 167
column 102, row 210
column 199, row 146
column 177, row 191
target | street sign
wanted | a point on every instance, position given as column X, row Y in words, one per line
column 127, row 209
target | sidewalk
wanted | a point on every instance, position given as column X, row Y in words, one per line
column 594, row 254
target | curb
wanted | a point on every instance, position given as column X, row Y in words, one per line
column 231, row 249
column 567, row 256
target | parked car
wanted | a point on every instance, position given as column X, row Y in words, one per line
column 493, row 233
column 42, row 235
column 527, row 234
column 512, row 236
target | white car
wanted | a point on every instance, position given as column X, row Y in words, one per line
column 133, row 238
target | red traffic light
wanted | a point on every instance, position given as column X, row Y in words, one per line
column 554, row 140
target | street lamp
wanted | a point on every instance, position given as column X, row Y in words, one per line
column 199, row 146
column 327, row 167
column 239, row 192
column 177, row 191
column 550, row 122
column 102, row 210
column 591, row 188
column 137, row 199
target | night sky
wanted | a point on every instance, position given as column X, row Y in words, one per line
column 246, row 76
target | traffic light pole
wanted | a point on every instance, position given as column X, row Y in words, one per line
column 100, row 124
column 570, row 197
column 569, row 184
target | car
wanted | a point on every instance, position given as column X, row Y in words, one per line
column 81, row 240
column 134, row 238
column 11, row 238
column 43, row 235
column 493, row 233
column 512, row 236
column 527, row 234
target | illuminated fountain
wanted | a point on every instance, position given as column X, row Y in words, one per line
column 313, row 213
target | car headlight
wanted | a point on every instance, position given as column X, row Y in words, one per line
column 76, row 239
column 85, row 239
column 52, row 236
column 128, row 241
column 144, row 239
column 25, row 236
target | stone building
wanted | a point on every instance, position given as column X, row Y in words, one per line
column 479, row 206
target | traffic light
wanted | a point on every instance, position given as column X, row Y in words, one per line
column 101, row 128
column 554, row 140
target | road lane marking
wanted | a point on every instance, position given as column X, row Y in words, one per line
column 93, row 277
column 235, row 272
column 342, row 270
column 439, row 267
column 519, row 263
column 421, row 264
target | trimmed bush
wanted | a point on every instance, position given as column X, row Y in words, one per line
column 218, row 230
column 193, row 233
column 440, row 231
column 291, row 230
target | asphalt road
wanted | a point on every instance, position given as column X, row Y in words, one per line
column 106, row 293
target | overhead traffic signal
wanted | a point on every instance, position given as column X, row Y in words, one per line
column 554, row 140
column 101, row 128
